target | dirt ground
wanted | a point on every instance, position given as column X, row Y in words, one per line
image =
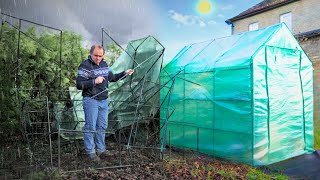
column 148, row 165
column 19, row 162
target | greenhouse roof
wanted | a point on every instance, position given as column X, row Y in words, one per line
column 231, row 51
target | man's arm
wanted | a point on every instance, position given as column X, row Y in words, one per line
column 115, row 77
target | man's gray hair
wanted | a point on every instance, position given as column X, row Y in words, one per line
column 96, row 46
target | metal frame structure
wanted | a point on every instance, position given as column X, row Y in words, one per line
column 45, row 134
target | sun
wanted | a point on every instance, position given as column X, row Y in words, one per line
column 204, row 7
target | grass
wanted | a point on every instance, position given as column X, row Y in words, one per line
column 255, row 174
column 210, row 168
column 48, row 174
column 316, row 135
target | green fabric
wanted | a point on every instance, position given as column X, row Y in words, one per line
column 70, row 118
column 134, row 98
column 247, row 97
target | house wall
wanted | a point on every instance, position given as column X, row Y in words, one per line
column 305, row 17
column 312, row 48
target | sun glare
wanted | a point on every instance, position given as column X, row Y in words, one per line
column 204, row 7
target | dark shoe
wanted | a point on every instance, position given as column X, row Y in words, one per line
column 94, row 158
column 104, row 154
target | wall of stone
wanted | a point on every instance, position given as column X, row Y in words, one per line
column 312, row 48
column 305, row 17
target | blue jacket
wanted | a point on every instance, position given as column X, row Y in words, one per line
column 88, row 71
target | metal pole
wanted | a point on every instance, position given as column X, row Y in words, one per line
column 198, row 139
column 120, row 148
column 59, row 148
column 29, row 36
column 18, row 56
column 2, row 23
column 137, row 109
column 30, row 21
column 103, row 31
column 102, row 37
column 49, row 129
column 60, row 59
column 169, row 145
column 135, row 115
column 167, row 115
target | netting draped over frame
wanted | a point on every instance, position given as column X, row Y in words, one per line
column 135, row 98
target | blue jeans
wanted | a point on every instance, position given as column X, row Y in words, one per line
column 96, row 119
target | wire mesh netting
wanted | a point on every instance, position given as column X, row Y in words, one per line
column 51, row 114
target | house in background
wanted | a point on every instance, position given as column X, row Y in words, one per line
column 301, row 16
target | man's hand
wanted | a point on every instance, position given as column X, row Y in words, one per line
column 99, row 80
column 129, row 72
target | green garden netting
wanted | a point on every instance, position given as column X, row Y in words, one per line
column 247, row 97
column 132, row 99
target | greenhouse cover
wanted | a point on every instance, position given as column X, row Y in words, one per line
column 246, row 97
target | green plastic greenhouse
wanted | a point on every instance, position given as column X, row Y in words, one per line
column 246, row 97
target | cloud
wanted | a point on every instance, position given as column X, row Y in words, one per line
column 189, row 20
column 221, row 15
column 126, row 19
column 212, row 22
column 227, row 7
column 202, row 23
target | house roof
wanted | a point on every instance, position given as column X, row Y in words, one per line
column 308, row 34
column 263, row 6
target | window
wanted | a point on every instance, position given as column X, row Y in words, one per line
column 253, row 26
column 287, row 18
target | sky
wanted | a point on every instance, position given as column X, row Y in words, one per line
column 175, row 23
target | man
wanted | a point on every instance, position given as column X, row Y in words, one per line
column 92, row 79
